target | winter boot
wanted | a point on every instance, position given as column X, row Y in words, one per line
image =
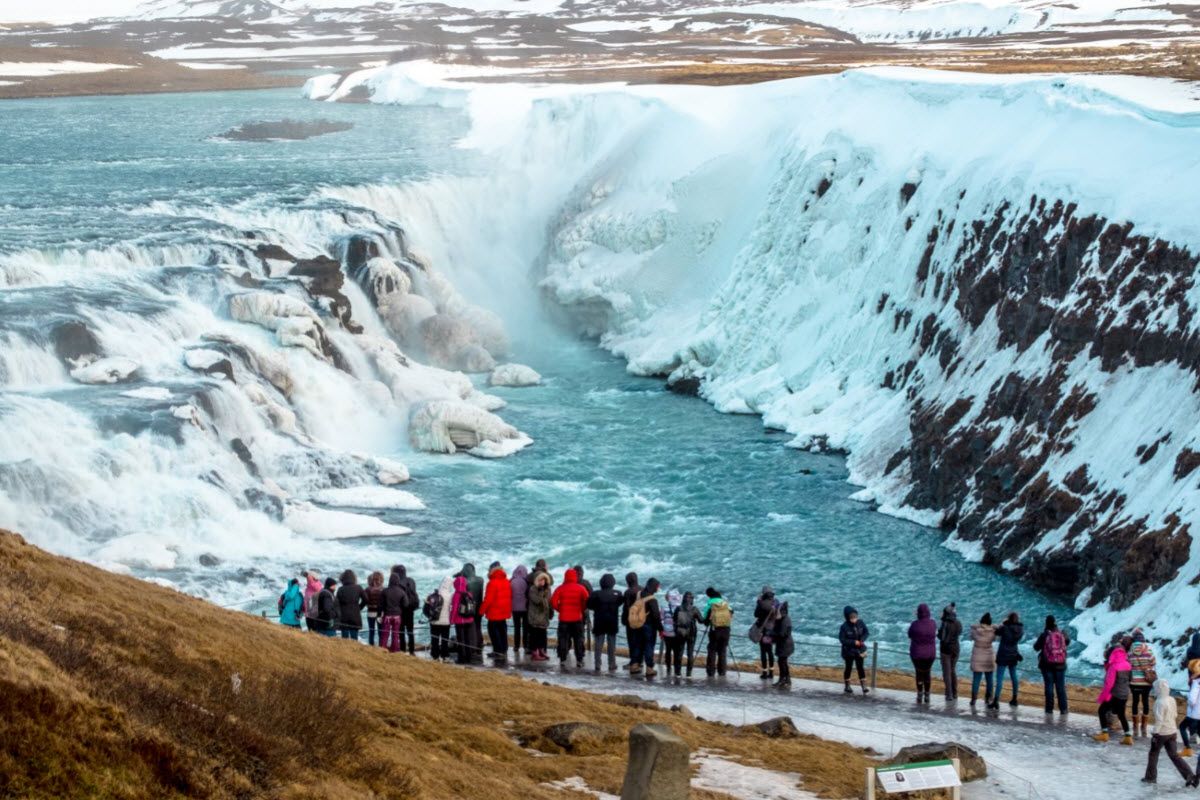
column 1186, row 752
column 635, row 669
column 651, row 672
column 863, row 684
column 1145, row 723
column 926, row 697
column 764, row 676
column 848, row 690
column 1127, row 740
column 1100, row 737
column 783, row 683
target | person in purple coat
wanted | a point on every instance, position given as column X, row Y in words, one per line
column 520, row 609
column 922, row 649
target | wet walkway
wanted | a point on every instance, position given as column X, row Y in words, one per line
column 1029, row 754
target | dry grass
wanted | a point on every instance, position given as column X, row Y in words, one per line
column 114, row 688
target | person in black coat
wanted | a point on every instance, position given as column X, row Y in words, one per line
column 853, row 637
column 785, row 645
column 688, row 620
column 1009, row 634
column 949, row 636
column 408, row 615
column 327, row 609
column 606, row 606
column 653, row 627
column 764, row 610
column 632, row 638
column 392, row 603
column 351, row 600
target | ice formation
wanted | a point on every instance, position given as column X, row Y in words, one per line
column 981, row 287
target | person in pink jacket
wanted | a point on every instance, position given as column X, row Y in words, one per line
column 312, row 587
column 1115, row 692
column 464, row 624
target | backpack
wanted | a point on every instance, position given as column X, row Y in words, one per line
column 1055, row 648
column 637, row 613
column 466, row 605
column 683, row 622
column 312, row 606
column 280, row 604
column 433, row 606
column 720, row 614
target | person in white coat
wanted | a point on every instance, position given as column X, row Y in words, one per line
column 1164, row 736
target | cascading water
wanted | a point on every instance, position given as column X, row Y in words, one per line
column 258, row 329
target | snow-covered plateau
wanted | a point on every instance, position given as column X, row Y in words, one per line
column 980, row 287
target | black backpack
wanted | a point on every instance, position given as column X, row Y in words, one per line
column 683, row 622
column 466, row 605
column 433, row 606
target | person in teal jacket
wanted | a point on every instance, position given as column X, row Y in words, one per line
column 291, row 605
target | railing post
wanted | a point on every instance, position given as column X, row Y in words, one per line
column 874, row 662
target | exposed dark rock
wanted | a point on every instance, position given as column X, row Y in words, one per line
column 244, row 455
column 632, row 701
column 689, row 386
column 284, row 130
column 776, row 728
column 970, row 762
column 570, row 735
column 209, row 560
column 73, row 340
column 324, row 278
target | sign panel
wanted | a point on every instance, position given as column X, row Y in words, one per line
column 916, row 777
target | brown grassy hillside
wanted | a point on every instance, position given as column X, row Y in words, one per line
column 114, row 688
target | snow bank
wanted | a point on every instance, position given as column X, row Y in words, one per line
column 919, row 268
column 106, row 370
column 375, row 497
column 320, row 523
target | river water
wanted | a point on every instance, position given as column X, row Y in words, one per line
column 104, row 198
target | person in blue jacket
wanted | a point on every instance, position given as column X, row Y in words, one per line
column 291, row 605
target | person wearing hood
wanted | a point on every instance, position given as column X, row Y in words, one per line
column 497, row 607
column 587, row 618
column 351, row 599
column 983, row 658
column 570, row 602
column 646, row 609
column 1164, row 737
column 475, row 587
column 1191, row 721
column 633, row 637
column 1193, row 652
column 1051, row 647
column 764, row 614
column 519, row 584
column 718, row 615
column 922, row 649
column 687, row 622
column 853, row 637
column 1115, row 691
column 374, row 593
column 1141, row 658
column 408, row 622
column 785, row 645
column 605, row 606
column 1008, row 656
column 949, row 634
column 327, row 609
column 439, row 625
column 291, row 605
column 312, row 589
column 540, row 613
column 672, row 641
column 392, row 603
column 463, row 611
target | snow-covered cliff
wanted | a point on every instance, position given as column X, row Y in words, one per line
column 982, row 288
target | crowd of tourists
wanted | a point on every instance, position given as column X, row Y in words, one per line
column 666, row 626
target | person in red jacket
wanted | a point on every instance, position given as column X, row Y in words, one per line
column 570, row 601
column 497, row 607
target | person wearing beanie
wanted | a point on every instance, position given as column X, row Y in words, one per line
column 1141, row 658
column 949, row 633
column 853, row 637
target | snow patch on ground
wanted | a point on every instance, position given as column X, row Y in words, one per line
column 375, row 497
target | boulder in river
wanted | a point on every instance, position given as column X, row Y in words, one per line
column 514, row 375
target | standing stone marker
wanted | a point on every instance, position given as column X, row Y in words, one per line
column 658, row 765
